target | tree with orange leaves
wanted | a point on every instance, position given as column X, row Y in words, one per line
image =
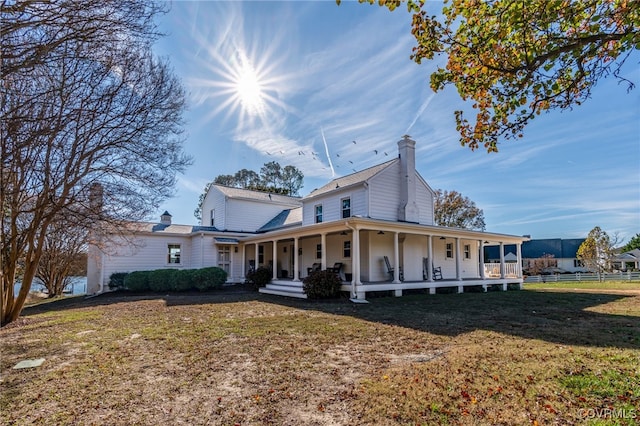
column 516, row 59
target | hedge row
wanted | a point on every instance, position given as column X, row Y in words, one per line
column 169, row 279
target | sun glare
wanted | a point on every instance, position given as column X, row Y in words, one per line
column 249, row 90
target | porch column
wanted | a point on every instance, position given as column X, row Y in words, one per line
column 323, row 244
column 256, row 258
column 230, row 277
column 519, row 260
column 430, row 258
column 244, row 262
column 396, row 257
column 296, row 261
column 355, row 267
column 457, row 259
column 482, row 259
column 501, row 259
column 275, row 260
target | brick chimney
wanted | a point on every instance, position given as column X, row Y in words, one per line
column 408, row 209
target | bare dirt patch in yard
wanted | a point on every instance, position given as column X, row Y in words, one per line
column 237, row 357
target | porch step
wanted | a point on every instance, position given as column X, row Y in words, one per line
column 284, row 288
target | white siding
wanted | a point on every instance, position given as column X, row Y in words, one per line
column 469, row 268
column 249, row 216
column 412, row 250
column 197, row 252
column 424, row 199
column 376, row 247
column 332, row 205
column 241, row 214
column 148, row 253
column 384, row 192
column 214, row 200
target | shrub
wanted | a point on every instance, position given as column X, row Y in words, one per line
column 259, row 277
column 322, row 285
column 176, row 279
column 137, row 281
column 208, row 278
column 116, row 280
column 160, row 279
column 182, row 280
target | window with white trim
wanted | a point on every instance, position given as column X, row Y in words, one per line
column 173, row 255
column 346, row 207
column 467, row 251
column 213, row 217
column 318, row 251
column 449, row 250
column 318, row 212
column 346, row 249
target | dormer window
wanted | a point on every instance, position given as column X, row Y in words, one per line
column 346, row 207
column 318, row 216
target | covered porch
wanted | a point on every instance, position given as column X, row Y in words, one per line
column 374, row 255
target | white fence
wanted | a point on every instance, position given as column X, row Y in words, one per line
column 606, row 276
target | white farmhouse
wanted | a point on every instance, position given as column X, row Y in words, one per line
column 374, row 227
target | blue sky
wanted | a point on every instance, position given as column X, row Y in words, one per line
column 328, row 75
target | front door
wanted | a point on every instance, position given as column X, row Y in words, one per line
column 224, row 259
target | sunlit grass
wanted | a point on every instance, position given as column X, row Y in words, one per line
column 516, row 357
column 586, row 285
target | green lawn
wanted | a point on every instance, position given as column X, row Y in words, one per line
column 512, row 358
column 586, row 285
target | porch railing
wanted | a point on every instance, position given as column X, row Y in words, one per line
column 492, row 270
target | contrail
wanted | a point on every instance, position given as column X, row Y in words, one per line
column 326, row 149
column 420, row 111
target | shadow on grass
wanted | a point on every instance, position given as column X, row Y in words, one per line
column 558, row 317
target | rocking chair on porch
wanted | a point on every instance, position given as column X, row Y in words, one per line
column 391, row 270
column 435, row 272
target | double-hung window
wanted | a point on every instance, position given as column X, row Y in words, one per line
column 318, row 213
column 346, row 249
column 449, row 250
column 346, row 207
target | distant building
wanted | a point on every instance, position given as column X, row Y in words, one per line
column 627, row 260
column 561, row 254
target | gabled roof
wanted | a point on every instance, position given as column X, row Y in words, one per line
column 284, row 219
column 247, row 194
column 631, row 255
column 352, row 179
